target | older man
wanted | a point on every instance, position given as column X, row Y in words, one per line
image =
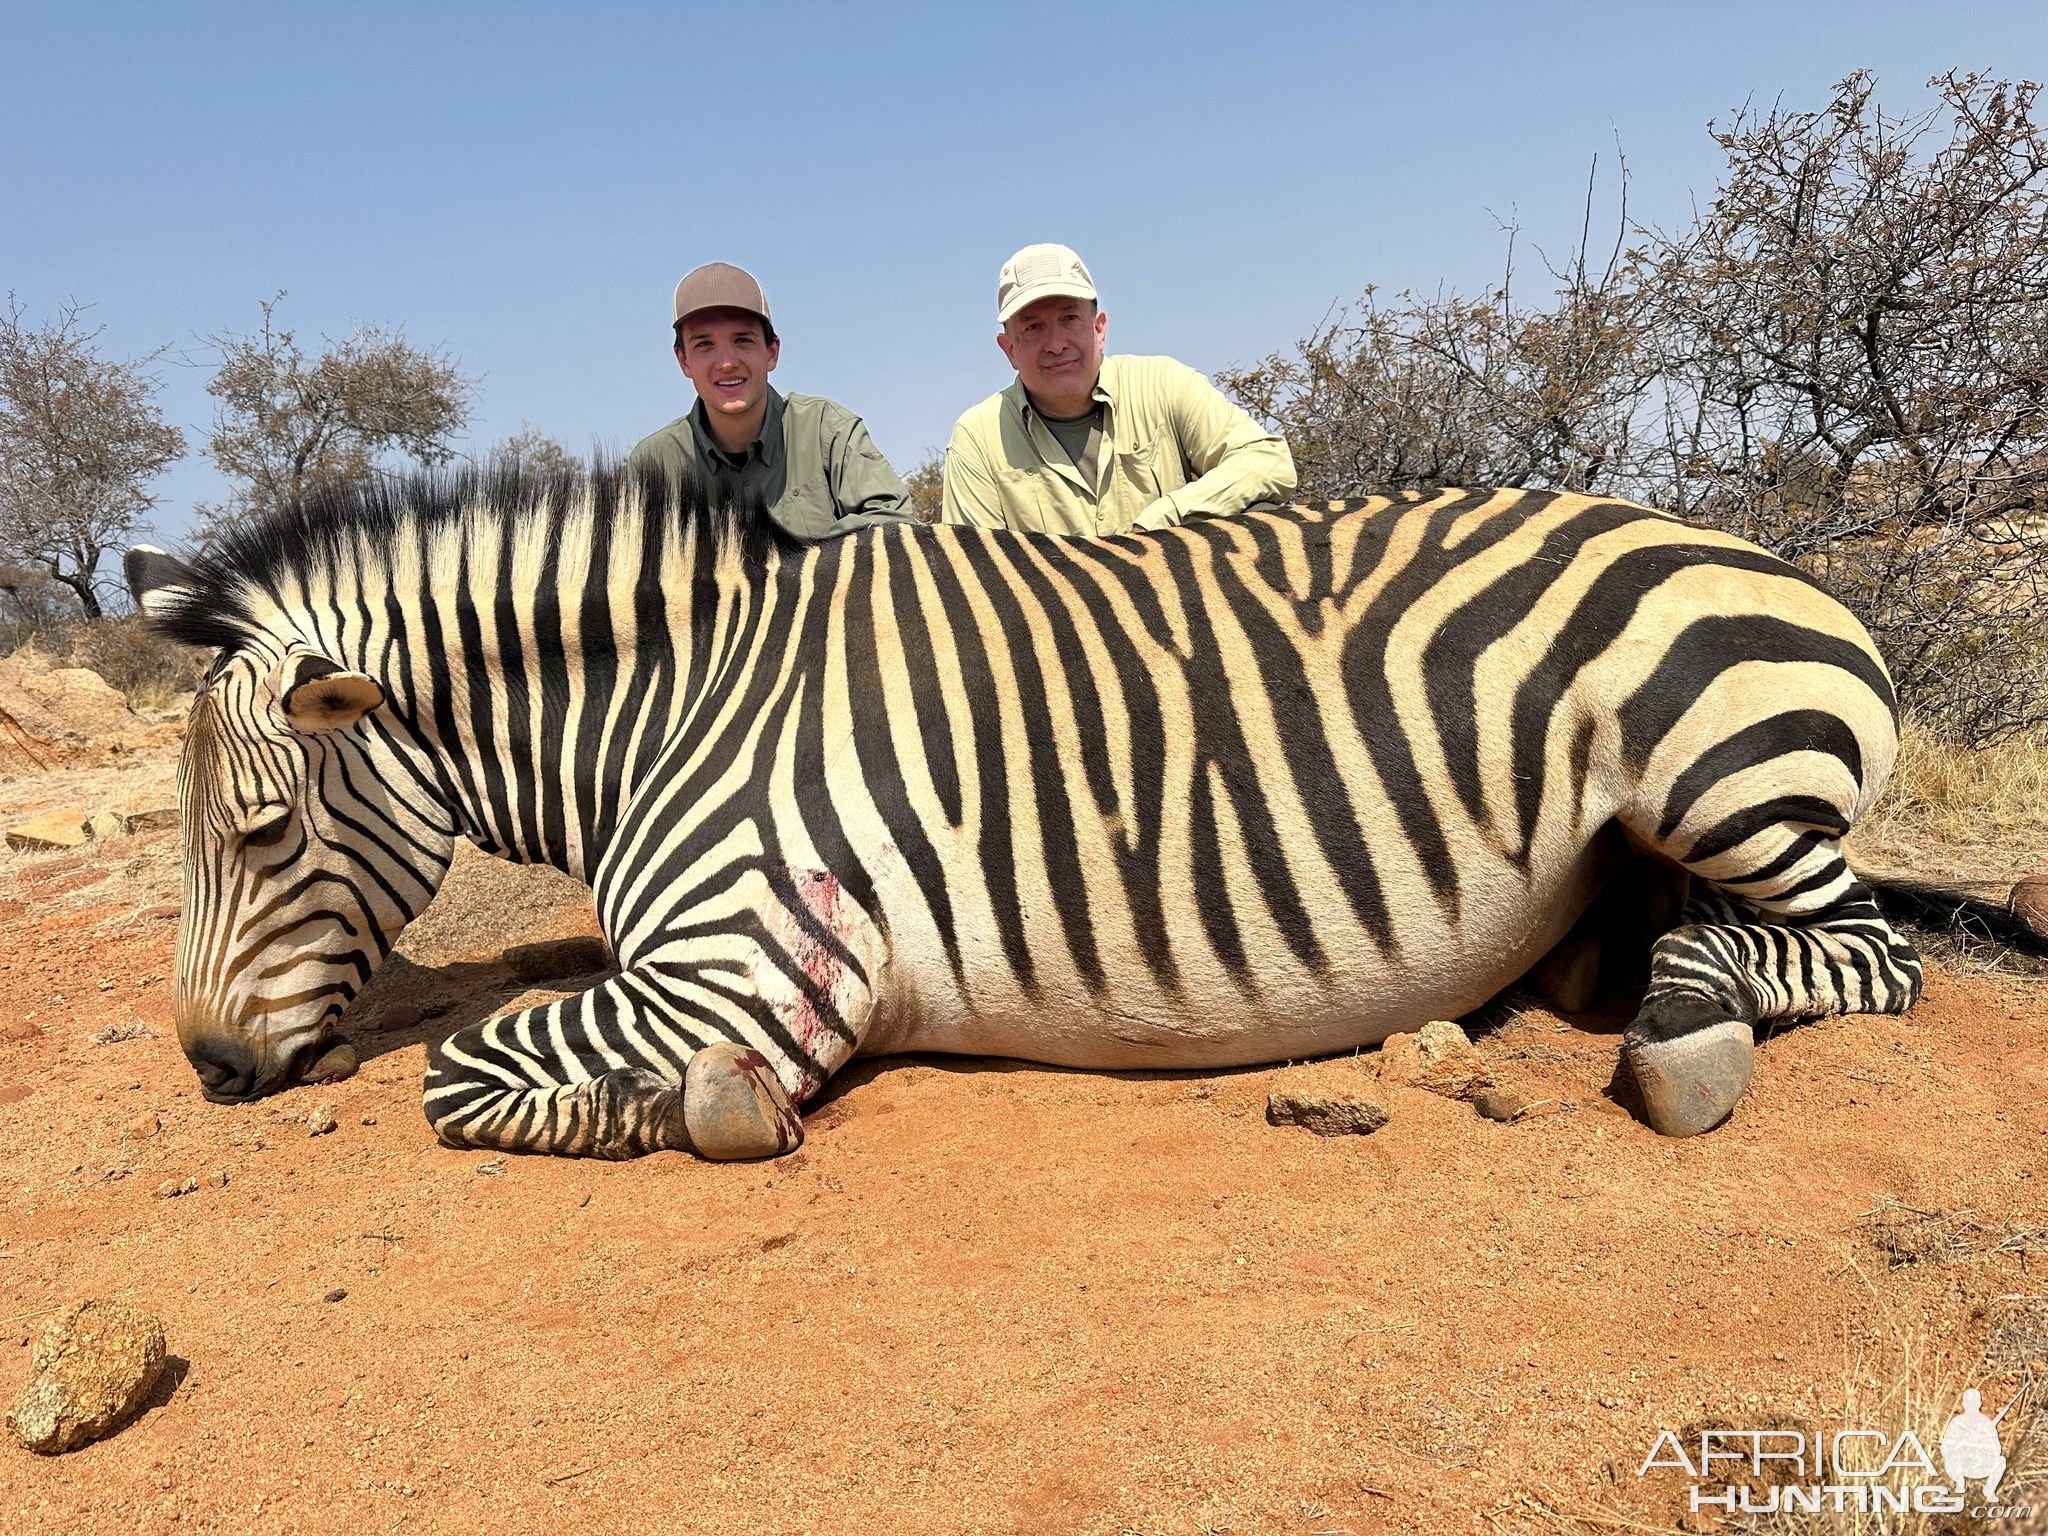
column 1084, row 443
column 808, row 460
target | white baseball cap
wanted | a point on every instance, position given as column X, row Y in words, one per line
column 1041, row 272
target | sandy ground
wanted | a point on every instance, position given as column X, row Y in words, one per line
column 983, row 1296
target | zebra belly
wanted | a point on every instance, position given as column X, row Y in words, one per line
column 1276, row 1011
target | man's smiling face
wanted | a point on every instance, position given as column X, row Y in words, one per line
column 1056, row 347
column 728, row 356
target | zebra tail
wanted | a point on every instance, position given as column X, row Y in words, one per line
column 1944, row 909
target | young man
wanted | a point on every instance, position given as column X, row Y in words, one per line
column 809, row 460
column 1093, row 445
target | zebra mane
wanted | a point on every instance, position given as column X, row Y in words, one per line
column 216, row 606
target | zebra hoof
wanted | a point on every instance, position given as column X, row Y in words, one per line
column 733, row 1107
column 1690, row 1083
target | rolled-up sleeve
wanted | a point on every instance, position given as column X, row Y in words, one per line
column 863, row 484
column 1235, row 461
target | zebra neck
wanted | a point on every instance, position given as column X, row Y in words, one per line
column 545, row 673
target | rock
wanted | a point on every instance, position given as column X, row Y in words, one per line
column 321, row 1121
column 19, row 1029
column 336, row 1062
column 143, row 1126
column 170, row 1189
column 369, row 1119
column 1400, row 1059
column 218, row 1178
column 1568, row 977
column 93, row 1367
column 1512, row 1105
column 1447, row 1063
column 2030, row 903
column 60, row 715
column 105, row 825
column 52, row 829
column 337, row 1294
column 558, row 957
column 148, row 818
column 1501, row 1104
column 1355, row 1115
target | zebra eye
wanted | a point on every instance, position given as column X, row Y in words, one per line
column 265, row 827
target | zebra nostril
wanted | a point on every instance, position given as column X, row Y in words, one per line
column 227, row 1070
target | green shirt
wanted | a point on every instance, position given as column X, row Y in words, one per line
column 814, row 466
column 1172, row 447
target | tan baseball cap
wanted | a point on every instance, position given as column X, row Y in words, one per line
column 720, row 285
column 1041, row 272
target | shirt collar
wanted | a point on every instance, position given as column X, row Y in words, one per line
column 768, row 447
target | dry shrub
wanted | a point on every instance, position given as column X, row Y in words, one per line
column 148, row 669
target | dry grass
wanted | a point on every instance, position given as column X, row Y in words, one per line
column 1905, row 1234
column 1956, row 813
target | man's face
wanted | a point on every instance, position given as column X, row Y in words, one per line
column 728, row 357
column 1056, row 347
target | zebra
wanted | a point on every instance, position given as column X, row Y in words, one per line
column 1247, row 790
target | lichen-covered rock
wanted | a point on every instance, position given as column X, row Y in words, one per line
column 63, row 828
column 321, row 1120
column 1351, row 1114
column 1447, row 1064
column 93, row 1367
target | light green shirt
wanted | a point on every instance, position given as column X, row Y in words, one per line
column 1172, row 447
column 814, row 466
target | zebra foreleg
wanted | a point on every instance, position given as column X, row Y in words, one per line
column 517, row 1083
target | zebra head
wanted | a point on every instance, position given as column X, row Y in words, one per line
column 311, row 840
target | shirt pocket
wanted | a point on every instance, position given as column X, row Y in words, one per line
column 1138, row 468
column 807, row 510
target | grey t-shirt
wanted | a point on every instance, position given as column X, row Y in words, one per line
column 1081, row 436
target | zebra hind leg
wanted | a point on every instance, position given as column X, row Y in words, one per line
column 1801, row 938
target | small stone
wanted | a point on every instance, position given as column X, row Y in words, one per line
column 1447, row 1062
column 190, row 1186
column 91, row 1371
column 1501, row 1104
column 52, row 829
column 1353, row 1115
column 19, row 1029
column 2030, row 903
column 321, row 1121
column 558, row 957
column 218, row 1178
column 143, row 1126
column 495, row 1166
column 369, row 1119
column 148, row 818
column 337, row 1294
column 170, row 1189
column 105, row 825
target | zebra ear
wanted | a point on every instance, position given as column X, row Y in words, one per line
column 318, row 695
column 158, row 582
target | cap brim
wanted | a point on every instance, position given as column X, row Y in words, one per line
column 1056, row 289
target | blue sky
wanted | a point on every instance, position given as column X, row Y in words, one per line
column 523, row 184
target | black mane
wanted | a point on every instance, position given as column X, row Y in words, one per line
column 260, row 555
